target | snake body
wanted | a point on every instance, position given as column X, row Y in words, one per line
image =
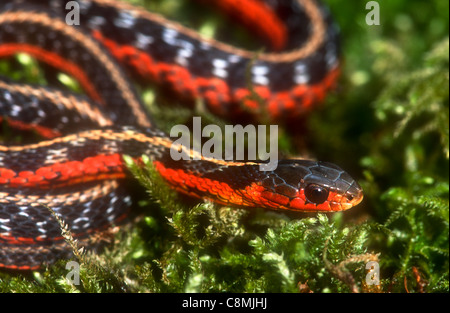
column 78, row 169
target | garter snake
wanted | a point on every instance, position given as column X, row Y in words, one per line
column 78, row 169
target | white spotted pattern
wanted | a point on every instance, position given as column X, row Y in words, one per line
column 259, row 74
column 185, row 48
column 125, row 20
column 301, row 75
column 143, row 41
column 219, row 68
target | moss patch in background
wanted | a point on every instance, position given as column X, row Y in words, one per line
column 387, row 125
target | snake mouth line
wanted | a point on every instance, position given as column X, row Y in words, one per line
column 358, row 199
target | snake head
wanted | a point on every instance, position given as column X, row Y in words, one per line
column 305, row 185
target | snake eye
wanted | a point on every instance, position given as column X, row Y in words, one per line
column 316, row 194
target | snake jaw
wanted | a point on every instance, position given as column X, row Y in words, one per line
column 311, row 186
column 355, row 198
column 335, row 201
